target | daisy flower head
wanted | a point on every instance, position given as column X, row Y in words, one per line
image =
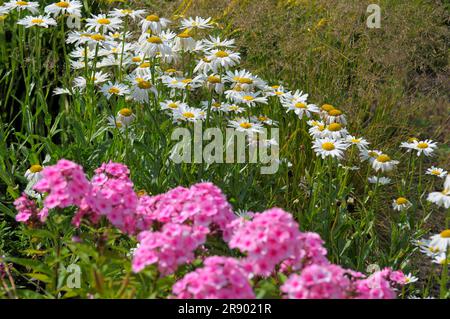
column 335, row 116
column 245, row 80
column 441, row 241
column 409, row 145
column 250, row 99
column 384, row 163
column 31, row 6
column 125, row 116
column 70, row 7
column 244, row 125
column 39, row 21
column 316, row 128
column 426, row 147
column 184, row 42
column 121, row 13
column 325, row 108
column 233, row 108
column 154, row 23
column 154, row 45
column 103, row 23
column 301, row 109
column 204, row 65
column 33, row 173
column 335, row 130
column 114, row 89
column 370, row 155
column 172, row 105
column 197, row 22
column 275, row 90
column 141, row 87
column 380, row 180
column 61, row 91
column 436, row 171
column 329, row 147
column 409, row 279
column 98, row 78
column 214, row 83
column 360, row 142
column 401, row 203
column 442, row 259
column 188, row 114
column 442, row 198
column 263, row 119
column 223, row 59
column 216, row 43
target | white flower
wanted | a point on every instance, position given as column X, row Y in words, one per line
column 441, row 241
column 117, row 89
column 215, row 43
column 300, row 108
column 154, row 45
column 244, row 80
column 71, row 7
column 370, row 155
column 401, row 203
column 436, row 171
column 335, row 131
column 360, row 142
column 125, row 116
column 154, row 23
column 243, row 125
column 409, row 279
column 172, row 105
column 39, row 21
column 441, row 198
column 223, row 59
column 197, row 22
column 442, row 259
column 329, row 147
column 380, row 180
column 250, row 98
column 60, row 91
column 188, row 114
column 141, row 87
column 103, row 23
column 99, row 77
column 120, row 13
column 384, row 163
column 426, row 147
column 31, row 6
column 184, row 42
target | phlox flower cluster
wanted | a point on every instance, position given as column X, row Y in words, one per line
column 170, row 247
column 27, row 211
column 220, row 278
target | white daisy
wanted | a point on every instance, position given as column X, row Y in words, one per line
column 369, row 155
column 380, row 180
column 140, row 88
column 442, row 259
column 233, row 108
column 71, row 7
column 409, row 279
column 436, row 171
column 426, row 147
column 401, row 203
column 133, row 14
column 114, row 89
column 335, row 116
column 154, row 45
column 250, row 98
column 441, row 198
column 60, row 91
column 245, row 80
column 204, row 65
column 223, row 59
column 216, row 43
column 188, row 114
column 360, row 142
column 301, row 109
column 184, row 42
column 125, row 116
column 103, row 23
column 39, row 21
column 172, row 105
column 154, row 23
column 384, row 163
column 244, row 125
column 329, row 147
column 197, row 22
column 335, row 131
column 31, row 6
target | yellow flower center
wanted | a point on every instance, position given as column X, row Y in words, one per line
column 213, row 79
column 37, row 21
column 206, row 60
column 412, row 139
column 136, row 59
column 245, row 125
column 154, row 40
column 334, row 127
column 104, row 21
column 114, row 90
column 126, row 11
column 275, row 87
column 328, row 146
column 216, row 105
column 171, row 71
column 243, row 80
column 263, row 118
column 36, row 168
column 189, row 115
column 221, row 54
column 248, row 98
column 435, row 172
column 97, row 37
column 321, row 127
column 62, row 4
column 186, row 81
column 126, row 112
column 173, row 105
column 401, row 201
column 118, row 124
column 300, row 105
column 279, row 93
column 383, row 158
column 422, row 145
column 3, row 17
column 143, row 84
column 184, row 35
column 334, row 112
column 356, row 140
column 327, row 107
column 144, row 65
column 445, row 233
column 22, row 3
column 152, row 18
column 233, row 107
